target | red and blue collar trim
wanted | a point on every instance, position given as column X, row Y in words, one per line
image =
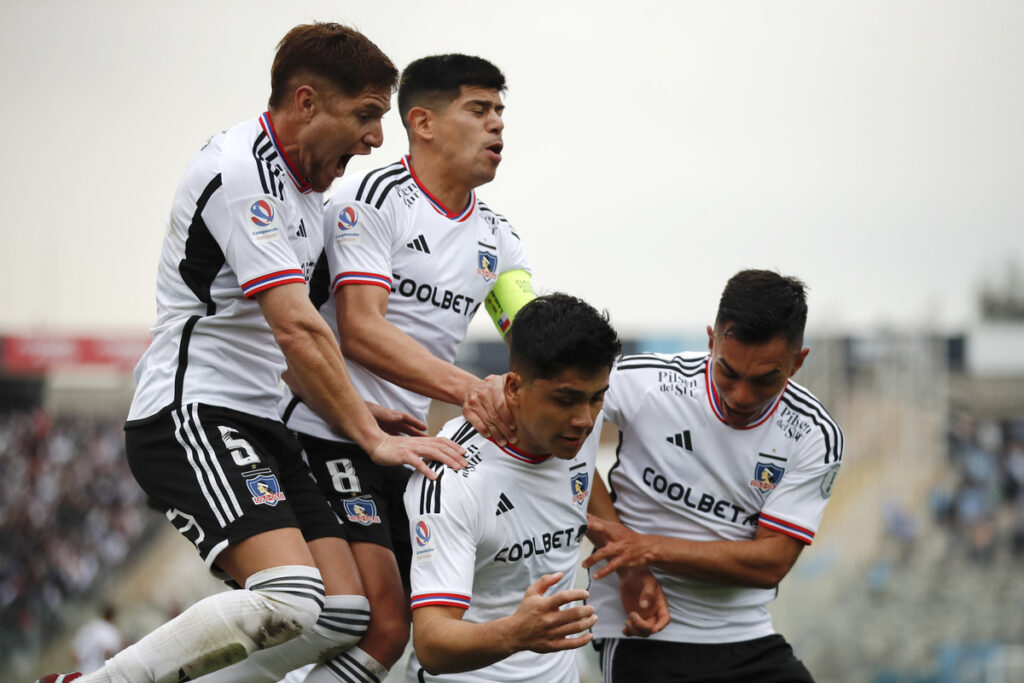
column 457, row 216
column 522, row 456
column 715, row 401
column 301, row 184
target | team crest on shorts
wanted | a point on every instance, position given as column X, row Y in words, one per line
column 361, row 510
column 578, row 483
column 264, row 487
column 766, row 477
column 488, row 265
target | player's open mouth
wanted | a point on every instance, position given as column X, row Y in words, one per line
column 495, row 149
column 342, row 163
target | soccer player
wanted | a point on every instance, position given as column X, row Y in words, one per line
column 724, row 469
column 203, row 434
column 420, row 253
column 497, row 544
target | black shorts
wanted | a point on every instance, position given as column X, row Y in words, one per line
column 221, row 476
column 638, row 660
column 367, row 496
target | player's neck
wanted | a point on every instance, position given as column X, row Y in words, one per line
column 452, row 193
column 286, row 130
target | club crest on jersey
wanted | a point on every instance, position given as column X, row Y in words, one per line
column 361, row 511
column 488, row 265
column 264, row 488
column 579, row 485
column 766, row 477
column 347, row 221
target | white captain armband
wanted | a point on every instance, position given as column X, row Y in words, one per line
column 511, row 292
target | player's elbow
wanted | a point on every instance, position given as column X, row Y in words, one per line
column 429, row 658
column 770, row 576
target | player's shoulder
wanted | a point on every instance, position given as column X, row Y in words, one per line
column 497, row 222
column 801, row 414
column 250, row 163
column 376, row 187
column 686, row 364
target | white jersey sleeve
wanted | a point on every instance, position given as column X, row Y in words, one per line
column 796, row 505
column 365, row 237
column 445, row 530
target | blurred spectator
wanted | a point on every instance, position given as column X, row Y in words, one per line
column 69, row 512
column 97, row 640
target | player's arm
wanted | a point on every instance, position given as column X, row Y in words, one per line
column 762, row 562
column 639, row 590
column 319, row 367
column 381, row 347
column 445, row 643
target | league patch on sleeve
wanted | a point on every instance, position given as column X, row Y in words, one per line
column 263, row 221
column 347, row 231
column 424, row 550
column 829, row 481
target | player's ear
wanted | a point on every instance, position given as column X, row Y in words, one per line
column 800, row 357
column 513, row 388
column 421, row 122
column 305, row 102
column 711, row 338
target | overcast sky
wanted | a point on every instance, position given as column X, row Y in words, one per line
column 873, row 148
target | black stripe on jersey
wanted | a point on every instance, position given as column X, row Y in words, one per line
column 391, row 186
column 347, row 669
column 463, row 433
column 179, row 376
column 379, row 176
column 615, row 466
column 290, row 408
column 270, row 174
column 203, row 256
column 802, row 401
column 320, row 282
column 430, row 491
column 577, row 466
column 685, row 367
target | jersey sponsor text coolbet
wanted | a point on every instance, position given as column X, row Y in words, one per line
column 437, row 265
column 484, row 534
column 683, row 472
column 242, row 221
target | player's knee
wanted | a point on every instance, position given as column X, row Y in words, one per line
column 343, row 622
column 388, row 635
column 292, row 598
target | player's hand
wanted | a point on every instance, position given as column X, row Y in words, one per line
column 402, row 450
column 485, row 407
column 395, row 421
column 541, row 624
column 622, row 547
column 644, row 602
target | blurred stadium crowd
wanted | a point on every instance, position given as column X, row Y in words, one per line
column 70, row 512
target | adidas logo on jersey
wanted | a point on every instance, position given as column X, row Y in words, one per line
column 681, row 440
column 504, row 505
column 301, row 232
column 419, row 244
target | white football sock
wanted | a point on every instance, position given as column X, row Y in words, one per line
column 277, row 605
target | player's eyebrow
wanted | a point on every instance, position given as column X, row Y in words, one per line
column 486, row 104
column 767, row 375
column 576, row 393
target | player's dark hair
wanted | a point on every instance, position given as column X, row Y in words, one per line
column 340, row 55
column 436, row 81
column 558, row 331
column 760, row 305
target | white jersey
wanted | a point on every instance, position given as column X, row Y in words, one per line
column 438, row 266
column 485, row 533
column 682, row 472
column 242, row 221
